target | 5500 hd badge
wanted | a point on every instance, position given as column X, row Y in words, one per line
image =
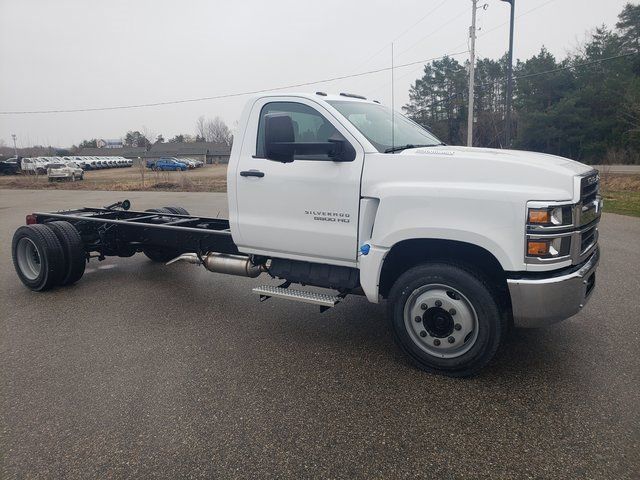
column 322, row 216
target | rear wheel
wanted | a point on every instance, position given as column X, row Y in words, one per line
column 157, row 253
column 446, row 318
column 75, row 258
column 38, row 257
column 177, row 210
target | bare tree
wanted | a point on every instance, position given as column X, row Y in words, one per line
column 148, row 133
column 201, row 129
column 218, row 132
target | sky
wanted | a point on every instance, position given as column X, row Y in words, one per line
column 72, row 54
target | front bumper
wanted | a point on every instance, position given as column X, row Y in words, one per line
column 542, row 301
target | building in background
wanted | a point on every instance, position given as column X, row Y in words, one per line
column 109, row 143
column 207, row 152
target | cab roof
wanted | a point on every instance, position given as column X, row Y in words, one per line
column 343, row 96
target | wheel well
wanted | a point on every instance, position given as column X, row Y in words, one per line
column 409, row 253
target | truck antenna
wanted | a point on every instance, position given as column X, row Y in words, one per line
column 393, row 112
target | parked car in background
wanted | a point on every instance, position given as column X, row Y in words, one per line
column 10, row 166
column 168, row 164
column 41, row 165
column 191, row 164
column 64, row 171
column 27, row 165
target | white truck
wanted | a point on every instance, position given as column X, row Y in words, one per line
column 338, row 192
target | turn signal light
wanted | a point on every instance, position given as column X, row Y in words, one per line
column 539, row 217
column 31, row 219
column 538, row 248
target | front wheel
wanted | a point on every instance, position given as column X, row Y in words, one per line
column 446, row 319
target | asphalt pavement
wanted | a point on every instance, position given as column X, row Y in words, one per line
column 147, row 371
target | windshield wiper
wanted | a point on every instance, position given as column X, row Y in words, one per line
column 409, row 145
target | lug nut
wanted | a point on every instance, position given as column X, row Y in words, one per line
column 452, row 311
column 438, row 303
column 423, row 333
column 418, row 319
column 457, row 326
column 436, row 342
column 451, row 339
column 424, row 306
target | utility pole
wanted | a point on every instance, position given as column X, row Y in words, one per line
column 507, row 116
column 15, row 148
column 472, row 72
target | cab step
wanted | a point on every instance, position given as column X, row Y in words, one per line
column 322, row 299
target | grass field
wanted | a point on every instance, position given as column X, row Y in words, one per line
column 621, row 192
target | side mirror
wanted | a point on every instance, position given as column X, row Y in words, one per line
column 280, row 144
column 279, row 139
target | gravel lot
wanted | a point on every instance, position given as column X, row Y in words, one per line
column 142, row 370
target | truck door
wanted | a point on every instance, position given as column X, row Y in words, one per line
column 306, row 209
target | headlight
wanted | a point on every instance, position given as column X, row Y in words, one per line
column 544, row 248
column 550, row 217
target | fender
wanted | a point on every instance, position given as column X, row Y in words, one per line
column 477, row 218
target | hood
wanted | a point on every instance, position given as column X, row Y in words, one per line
column 526, row 175
column 551, row 163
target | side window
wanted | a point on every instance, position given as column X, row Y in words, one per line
column 308, row 126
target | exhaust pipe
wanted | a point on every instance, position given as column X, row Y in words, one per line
column 223, row 263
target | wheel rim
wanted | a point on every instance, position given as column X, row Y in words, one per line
column 441, row 321
column 29, row 259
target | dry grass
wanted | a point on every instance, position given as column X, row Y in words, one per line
column 621, row 193
column 210, row 178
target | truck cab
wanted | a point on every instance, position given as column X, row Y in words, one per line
column 340, row 180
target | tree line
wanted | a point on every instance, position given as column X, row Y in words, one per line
column 207, row 130
column 585, row 106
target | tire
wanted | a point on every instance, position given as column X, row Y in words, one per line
column 446, row 318
column 38, row 257
column 75, row 257
column 160, row 254
column 177, row 210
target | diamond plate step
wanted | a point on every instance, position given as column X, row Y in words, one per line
column 314, row 298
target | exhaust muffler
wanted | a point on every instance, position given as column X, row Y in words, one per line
column 223, row 263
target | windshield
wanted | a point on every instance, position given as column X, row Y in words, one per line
column 374, row 122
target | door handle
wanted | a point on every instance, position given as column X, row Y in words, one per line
column 252, row 173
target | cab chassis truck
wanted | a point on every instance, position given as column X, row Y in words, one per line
column 339, row 192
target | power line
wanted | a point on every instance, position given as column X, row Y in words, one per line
column 228, row 95
column 486, row 32
column 420, row 20
column 361, row 64
column 433, row 32
column 517, row 16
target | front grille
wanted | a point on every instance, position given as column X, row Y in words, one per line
column 588, row 239
column 589, row 187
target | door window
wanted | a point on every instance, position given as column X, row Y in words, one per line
column 308, row 126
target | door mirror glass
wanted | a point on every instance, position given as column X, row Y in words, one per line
column 289, row 130
column 278, row 137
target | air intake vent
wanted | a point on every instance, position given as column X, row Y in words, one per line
column 589, row 188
